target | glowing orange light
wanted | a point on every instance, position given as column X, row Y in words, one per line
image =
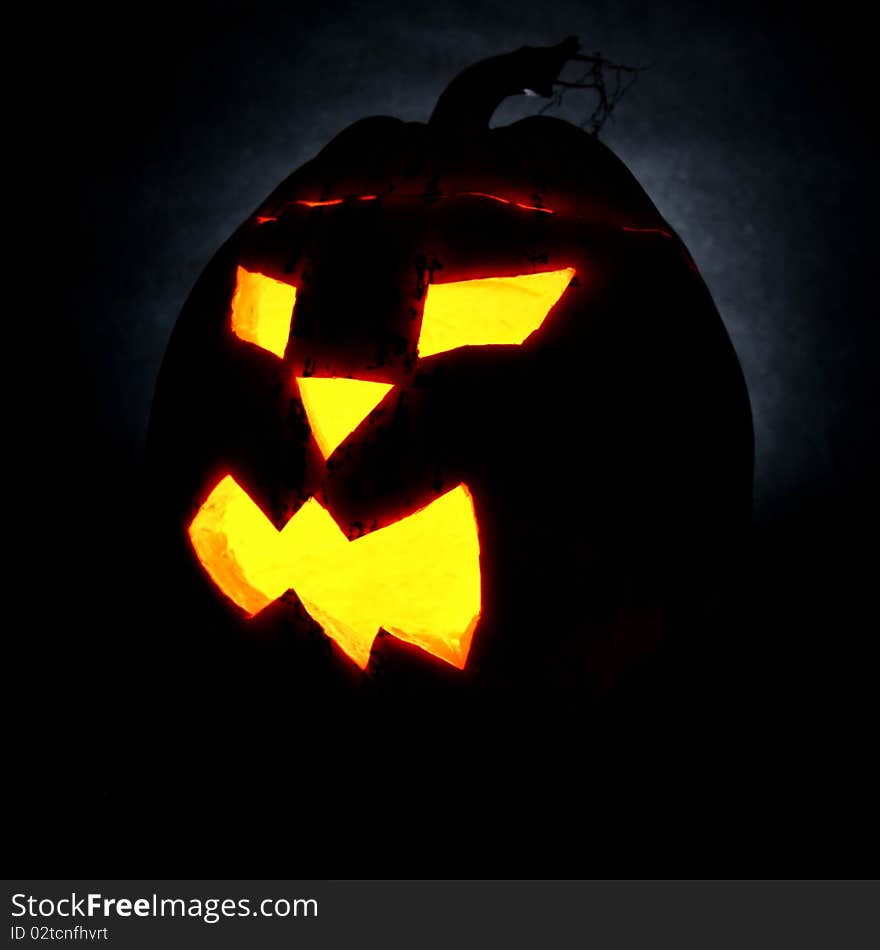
column 473, row 194
column 488, row 310
column 505, row 201
column 335, row 407
column 482, row 194
column 321, row 204
column 418, row 578
column 333, row 201
column 265, row 219
column 262, row 309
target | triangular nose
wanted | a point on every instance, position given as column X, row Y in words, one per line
column 335, row 407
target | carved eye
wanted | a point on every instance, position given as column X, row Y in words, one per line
column 489, row 310
column 262, row 310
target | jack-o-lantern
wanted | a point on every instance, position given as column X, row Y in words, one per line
column 453, row 404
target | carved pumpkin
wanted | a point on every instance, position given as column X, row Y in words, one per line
column 452, row 403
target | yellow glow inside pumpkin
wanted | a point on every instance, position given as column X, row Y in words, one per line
column 262, row 310
column 488, row 310
column 335, row 407
column 418, row 578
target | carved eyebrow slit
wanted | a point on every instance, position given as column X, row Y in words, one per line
column 489, row 310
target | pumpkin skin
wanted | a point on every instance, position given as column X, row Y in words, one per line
column 608, row 456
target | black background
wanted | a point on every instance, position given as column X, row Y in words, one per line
column 152, row 131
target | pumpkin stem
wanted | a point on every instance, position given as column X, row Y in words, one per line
column 468, row 102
